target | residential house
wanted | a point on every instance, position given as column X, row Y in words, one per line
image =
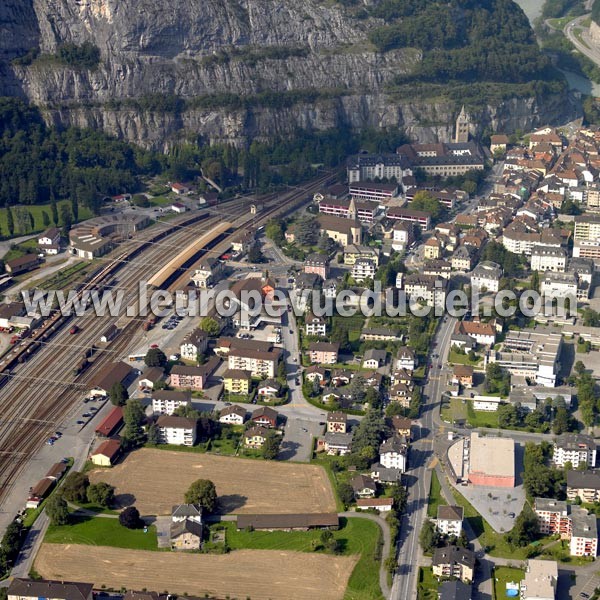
column 379, row 334
column 315, row 372
column 353, row 253
column 193, row 344
column 463, row 375
column 30, row 589
column 179, row 431
column 548, row 258
column 194, row 378
column 325, row 353
column 406, row 359
column 464, row 258
column 269, row 389
column 486, row 277
column 236, row 381
column 380, row 504
column 401, row 393
column 449, row 520
column 232, row 415
column 482, row 333
column 106, row 454
column 180, row 188
column 575, row 449
column 432, row 249
column 336, row 444
column 265, row 416
column 255, row 437
column 438, row 268
column 453, row 561
column 403, row 235
column 363, row 268
column 498, row 143
column 584, row 485
column 374, row 359
column 165, row 402
column 318, row 264
column 541, row 580
column 402, row 426
column 584, row 533
column 393, row 453
column 186, row 535
column 553, row 517
column 49, row 241
column 425, row 290
column 258, row 362
column 316, row 326
column 337, row 422
column 363, row 486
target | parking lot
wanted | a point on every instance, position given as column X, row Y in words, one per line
column 298, row 439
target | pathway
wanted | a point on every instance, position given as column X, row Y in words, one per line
column 385, row 551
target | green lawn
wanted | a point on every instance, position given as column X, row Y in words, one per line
column 427, row 588
column 357, row 536
column 463, row 359
column 218, row 446
column 481, row 418
column 37, row 210
column 435, row 496
column 100, row 531
column 501, row 576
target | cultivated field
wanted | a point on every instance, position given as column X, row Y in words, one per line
column 256, row 574
column 156, row 480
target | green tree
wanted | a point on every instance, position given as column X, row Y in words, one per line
column 307, row 231
column 525, row 530
column 67, row 218
column 579, row 368
column 369, row 432
column 508, row 416
column 152, row 434
column 427, row 202
column 101, row 493
column 210, row 326
column 130, row 518
column 270, row 448
column 74, row 489
column 429, row 537
column 203, row 493
column 187, row 411
column 45, row 219
column 255, row 255
column 134, row 417
column 54, row 211
column 155, row 357
column 74, row 208
column 274, row 231
column 345, row 494
column 10, row 221
column 118, row 394
column 57, row 510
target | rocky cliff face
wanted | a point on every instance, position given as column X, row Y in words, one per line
column 194, row 48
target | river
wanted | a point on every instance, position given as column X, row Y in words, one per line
column 533, row 9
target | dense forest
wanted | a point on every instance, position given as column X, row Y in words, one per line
column 463, row 40
column 39, row 164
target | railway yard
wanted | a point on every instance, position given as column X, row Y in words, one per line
column 39, row 385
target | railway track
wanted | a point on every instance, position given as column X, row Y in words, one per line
column 31, row 406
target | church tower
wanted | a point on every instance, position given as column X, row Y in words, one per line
column 462, row 127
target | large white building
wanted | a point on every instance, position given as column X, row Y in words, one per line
column 179, row 431
column 541, row 578
column 449, row 520
column 425, row 289
column 548, row 258
column 258, row 362
column 165, row 402
column 364, row 167
column 393, row 453
column 532, row 353
column 486, row 276
column 587, row 227
column 575, row 449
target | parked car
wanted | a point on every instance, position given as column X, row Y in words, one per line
column 74, row 330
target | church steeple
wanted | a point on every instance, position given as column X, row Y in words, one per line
column 463, row 121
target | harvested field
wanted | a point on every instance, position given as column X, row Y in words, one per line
column 156, row 480
column 258, row 574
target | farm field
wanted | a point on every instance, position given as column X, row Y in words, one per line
column 156, row 480
column 256, row 574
